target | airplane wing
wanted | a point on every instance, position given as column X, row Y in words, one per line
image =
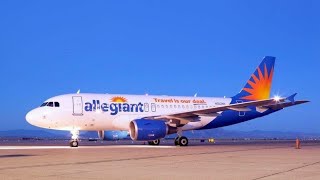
column 285, row 104
column 185, row 117
column 188, row 116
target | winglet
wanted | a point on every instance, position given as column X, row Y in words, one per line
column 291, row 98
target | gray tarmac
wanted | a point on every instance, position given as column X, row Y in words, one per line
column 126, row 160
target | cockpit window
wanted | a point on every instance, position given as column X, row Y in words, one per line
column 44, row 104
column 50, row 104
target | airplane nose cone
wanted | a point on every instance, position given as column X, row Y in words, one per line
column 29, row 117
column 32, row 117
column 37, row 117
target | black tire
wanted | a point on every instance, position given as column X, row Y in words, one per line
column 176, row 141
column 150, row 143
column 74, row 143
column 183, row 141
column 154, row 142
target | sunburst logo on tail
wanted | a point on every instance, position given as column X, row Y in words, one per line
column 260, row 86
column 118, row 99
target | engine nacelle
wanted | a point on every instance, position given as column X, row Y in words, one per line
column 112, row 135
column 148, row 130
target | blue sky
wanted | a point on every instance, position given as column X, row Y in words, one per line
column 211, row 48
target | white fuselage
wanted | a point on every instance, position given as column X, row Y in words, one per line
column 94, row 112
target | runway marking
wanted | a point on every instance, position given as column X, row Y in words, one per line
column 31, row 147
column 282, row 172
column 82, row 147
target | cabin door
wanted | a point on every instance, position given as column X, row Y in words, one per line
column 77, row 106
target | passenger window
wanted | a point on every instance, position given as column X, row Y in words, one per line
column 56, row 104
column 50, row 104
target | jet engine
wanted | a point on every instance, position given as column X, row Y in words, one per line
column 149, row 129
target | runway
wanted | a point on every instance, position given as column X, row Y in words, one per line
column 208, row 161
column 87, row 147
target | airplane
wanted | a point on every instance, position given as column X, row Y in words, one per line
column 152, row 117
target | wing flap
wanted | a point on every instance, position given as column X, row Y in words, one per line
column 244, row 109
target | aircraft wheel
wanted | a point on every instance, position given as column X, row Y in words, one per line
column 183, row 141
column 154, row 142
column 74, row 143
column 150, row 142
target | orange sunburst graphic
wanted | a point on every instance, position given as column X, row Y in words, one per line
column 118, row 99
column 260, row 88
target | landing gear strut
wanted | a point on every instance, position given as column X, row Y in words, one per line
column 154, row 142
column 74, row 139
column 181, row 141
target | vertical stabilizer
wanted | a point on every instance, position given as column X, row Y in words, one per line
column 258, row 86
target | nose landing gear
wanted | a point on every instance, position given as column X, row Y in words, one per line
column 74, row 143
column 74, row 139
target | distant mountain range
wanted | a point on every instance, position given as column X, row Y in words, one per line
column 21, row 133
column 214, row 133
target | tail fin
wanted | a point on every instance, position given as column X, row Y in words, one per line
column 259, row 85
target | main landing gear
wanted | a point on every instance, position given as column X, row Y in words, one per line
column 74, row 139
column 154, row 142
column 178, row 141
column 181, row 141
